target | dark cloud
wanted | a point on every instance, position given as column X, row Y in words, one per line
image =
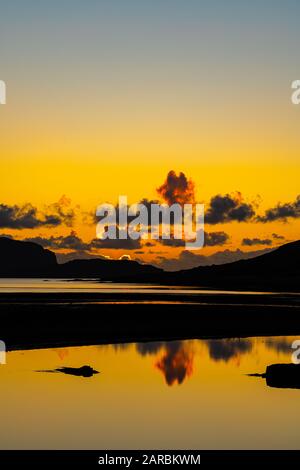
column 116, row 244
column 228, row 208
column 210, row 239
column 278, row 237
column 150, row 244
column 215, row 238
column 281, row 212
column 29, row 217
column 177, row 189
column 73, row 242
column 224, row 350
column 69, row 242
column 256, row 241
column 26, row 216
column 173, row 242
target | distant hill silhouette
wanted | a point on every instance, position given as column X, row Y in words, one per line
column 279, row 269
column 108, row 269
column 25, row 259
column 19, row 259
column 285, row 259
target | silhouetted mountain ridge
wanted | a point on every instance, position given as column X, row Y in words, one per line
column 278, row 269
column 18, row 258
column 285, row 259
column 107, row 269
column 25, row 259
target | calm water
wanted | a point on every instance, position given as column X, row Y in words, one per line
column 184, row 394
column 15, row 285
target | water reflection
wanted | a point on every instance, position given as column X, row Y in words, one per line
column 177, row 362
column 226, row 349
column 149, row 348
column 61, row 352
column 279, row 344
column 188, row 394
column 175, row 359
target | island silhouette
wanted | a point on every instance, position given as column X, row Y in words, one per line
column 281, row 375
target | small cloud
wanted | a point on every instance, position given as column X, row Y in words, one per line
column 256, row 241
column 116, row 244
column 278, row 237
column 177, row 189
column 283, row 212
column 69, row 242
column 215, row 238
column 210, row 239
column 229, row 208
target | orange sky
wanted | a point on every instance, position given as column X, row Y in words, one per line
column 99, row 107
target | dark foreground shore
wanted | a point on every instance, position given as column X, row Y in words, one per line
column 30, row 321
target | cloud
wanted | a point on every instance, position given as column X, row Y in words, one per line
column 215, row 238
column 26, row 216
column 188, row 259
column 73, row 242
column 63, row 210
column 69, row 242
column 210, row 239
column 116, row 244
column 29, row 217
column 177, row 189
column 278, row 237
column 281, row 212
column 228, row 208
column 173, row 242
column 256, row 241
